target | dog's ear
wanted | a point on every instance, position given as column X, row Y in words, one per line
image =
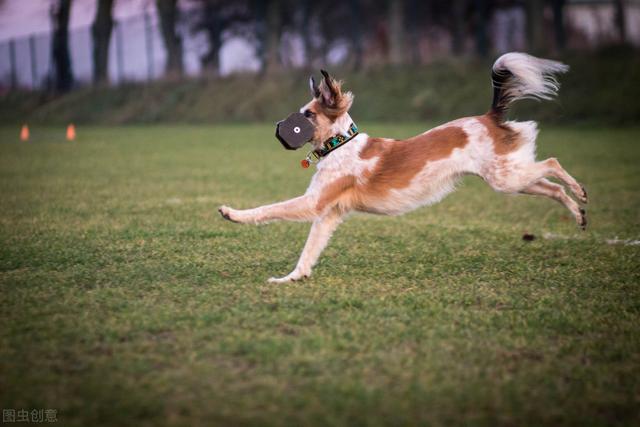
column 329, row 90
column 315, row 92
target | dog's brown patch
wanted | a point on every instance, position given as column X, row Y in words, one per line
column 504, row 139
column 399, row 161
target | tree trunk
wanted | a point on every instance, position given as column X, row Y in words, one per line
column 355, row 31
column 482, row 15
column 558, row 24
column 621, row 22
column 457, row 27
column 168, row 13
column 274, row 24
column 396, row 32
column 101, row 31
column 535, row 25
column 214, row 34
column 309, row 51
column 63, row 78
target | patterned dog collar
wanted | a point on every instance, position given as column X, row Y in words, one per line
column 329, row 145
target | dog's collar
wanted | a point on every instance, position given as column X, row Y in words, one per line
column 330, row 145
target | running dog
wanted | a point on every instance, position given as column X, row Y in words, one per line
column 356, row 172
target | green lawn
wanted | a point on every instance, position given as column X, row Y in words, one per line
column 126, row 300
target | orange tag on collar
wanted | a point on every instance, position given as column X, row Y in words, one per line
column 305, row 163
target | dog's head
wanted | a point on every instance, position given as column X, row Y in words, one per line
column 324, row 116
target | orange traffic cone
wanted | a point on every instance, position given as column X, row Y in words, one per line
column 71, row 132
column 24, row 133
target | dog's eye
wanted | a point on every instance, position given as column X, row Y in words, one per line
column 309, row 113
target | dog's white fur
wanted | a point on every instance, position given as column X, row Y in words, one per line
column 506, row 168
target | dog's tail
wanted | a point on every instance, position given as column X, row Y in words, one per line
column 520, row 76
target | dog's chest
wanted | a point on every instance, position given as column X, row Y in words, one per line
column 343, row 162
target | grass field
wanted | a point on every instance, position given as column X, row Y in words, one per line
column 126, row 300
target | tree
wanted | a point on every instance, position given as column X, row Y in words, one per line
column 535, row 25
column 305, row 30
column 355, row 33
column 168, row 12
column 101, row 32
column 273, row 33
column 457, row 26
column 268, row 15
column 396, row 32
column 620, row 20
column 63, row 74
column 329, row 22
column 215, row 18
column 211, row 23
column 482, row 19
column 558, row 24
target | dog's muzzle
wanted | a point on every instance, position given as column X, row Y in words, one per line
column 294, row 131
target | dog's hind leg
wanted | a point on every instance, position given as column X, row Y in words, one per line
column 319, row 236
column 516, row 177
column 556, row 192
column 560, row 173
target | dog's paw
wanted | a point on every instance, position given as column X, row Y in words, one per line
column 292, row 277
column 227, row 213
column 582, row 196
column 582, row 221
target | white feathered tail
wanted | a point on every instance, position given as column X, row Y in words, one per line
column 519, row 76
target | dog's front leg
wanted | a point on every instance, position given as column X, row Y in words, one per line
column 301, row 208
column 319, row 236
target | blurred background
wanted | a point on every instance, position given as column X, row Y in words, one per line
column 217, row 60
column 125, row 299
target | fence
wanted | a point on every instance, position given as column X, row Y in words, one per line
column 136, row 53
column 25, row 62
